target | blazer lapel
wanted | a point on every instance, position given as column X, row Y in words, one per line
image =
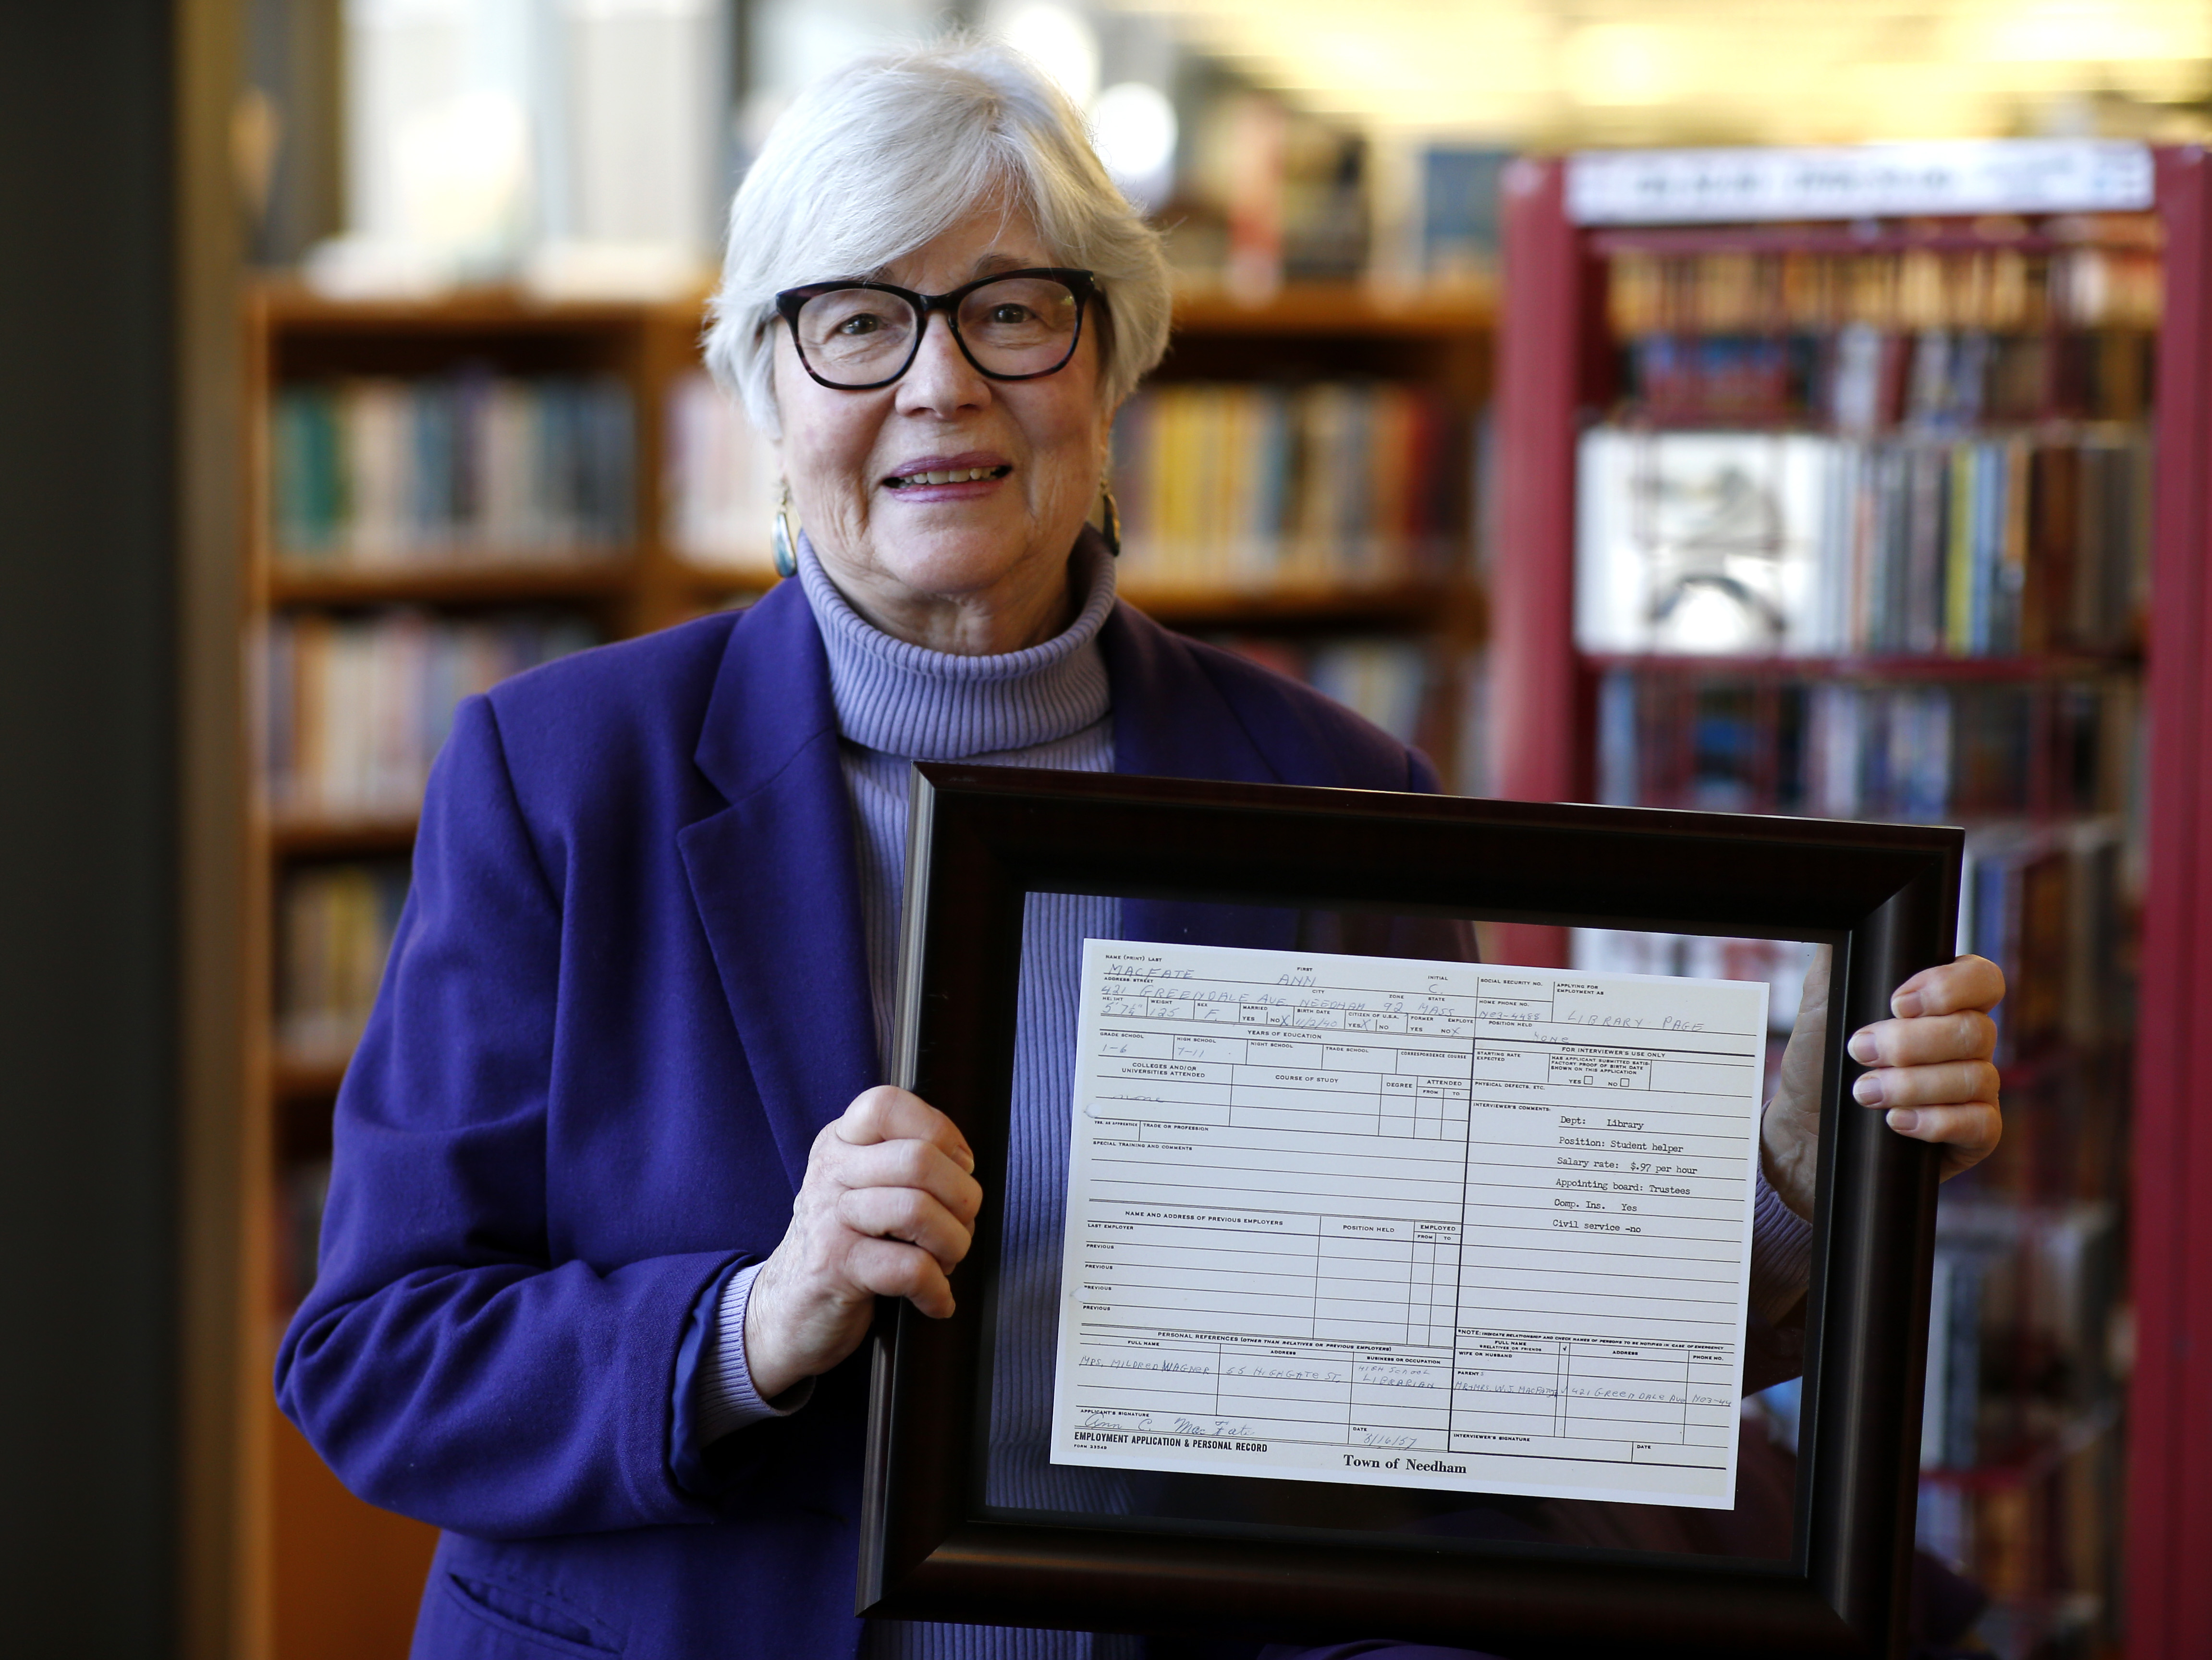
column 774, row 875
column 1170, row 720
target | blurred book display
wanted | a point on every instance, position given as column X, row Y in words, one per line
column 468, row 466
column 1982, row 322
column 358, row 706
column 1861, row 528
column 1856, row 745
column 2019, row 1407
column 1333, row 484
column 334, row 927
column 1799, row 543
column 720, row 480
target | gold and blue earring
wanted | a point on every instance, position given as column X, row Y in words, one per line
column 1109, row 519
column 786, row 545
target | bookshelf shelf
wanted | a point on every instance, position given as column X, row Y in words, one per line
column 289, row 304
column 298, row 1079
column 1784, row 426
column 472, row 585
column 1688, row 241
column 1322, row 606
column 462, row 580
column 2004, row 668
column 342, row 838
column 1316, row 307
column 1336, row 312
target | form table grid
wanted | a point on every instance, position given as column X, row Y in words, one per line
column 1368, row 1207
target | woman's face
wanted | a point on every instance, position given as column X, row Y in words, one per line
column 972, row 566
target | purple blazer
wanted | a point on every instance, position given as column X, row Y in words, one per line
column 627, row 991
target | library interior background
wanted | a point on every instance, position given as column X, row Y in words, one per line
column 1527, row 394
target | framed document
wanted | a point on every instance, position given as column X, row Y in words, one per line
column 1337, row 1278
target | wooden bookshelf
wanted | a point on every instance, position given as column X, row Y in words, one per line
column 327, row 1577
column 2069, row 1135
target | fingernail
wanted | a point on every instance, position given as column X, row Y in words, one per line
column 1862, row 1049
column 1902, row 1120
column 1868, row 1089
column 1907, row 1006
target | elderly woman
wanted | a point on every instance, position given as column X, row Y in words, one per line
column 618, row 1180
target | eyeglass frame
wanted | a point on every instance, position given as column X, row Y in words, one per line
column 1083, row 284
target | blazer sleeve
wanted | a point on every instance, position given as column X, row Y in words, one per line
column 446, row 1364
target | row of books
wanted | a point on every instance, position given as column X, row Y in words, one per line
column 2045, row 903
column 1846, row 749
column 334, row 928
column 1244, row 486
column 2022, row 1299
column 2015, row 1441
column 1798, row 543
column 379, row 471
column 1331, row 483
column 2011, row 289
column 2023, row 1471
column 1861, row 380
column 356, row 706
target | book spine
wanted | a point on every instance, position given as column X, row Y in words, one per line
column 1250, row 487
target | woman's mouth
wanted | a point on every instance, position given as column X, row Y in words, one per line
column 924, row 477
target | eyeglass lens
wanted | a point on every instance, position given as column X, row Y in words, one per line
column 1017, row 327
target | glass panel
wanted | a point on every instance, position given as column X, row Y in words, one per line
column 1390, row 1247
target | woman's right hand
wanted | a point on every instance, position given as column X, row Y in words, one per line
column 888, row 1209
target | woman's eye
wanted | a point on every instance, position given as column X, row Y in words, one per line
column 1010, row 312
column 861, row 324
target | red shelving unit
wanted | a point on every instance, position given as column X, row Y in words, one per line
column 1556, row 372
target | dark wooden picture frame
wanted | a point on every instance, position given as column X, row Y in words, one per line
column 1886, row 897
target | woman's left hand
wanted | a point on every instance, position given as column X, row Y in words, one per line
column 1928, row 1069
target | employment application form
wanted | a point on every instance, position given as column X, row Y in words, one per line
column 1408, row 1224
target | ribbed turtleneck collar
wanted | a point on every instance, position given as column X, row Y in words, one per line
column 909, row 700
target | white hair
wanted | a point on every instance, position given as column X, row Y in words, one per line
column 882, row 155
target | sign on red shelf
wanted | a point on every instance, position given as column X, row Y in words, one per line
column 1710, row 186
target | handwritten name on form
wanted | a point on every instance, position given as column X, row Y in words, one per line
column 1409, row 1223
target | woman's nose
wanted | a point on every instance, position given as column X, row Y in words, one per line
column 941, row 379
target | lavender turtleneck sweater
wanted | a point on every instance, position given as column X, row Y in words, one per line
column 1046, row 706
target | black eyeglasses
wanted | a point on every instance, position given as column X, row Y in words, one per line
column 1017, row 325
